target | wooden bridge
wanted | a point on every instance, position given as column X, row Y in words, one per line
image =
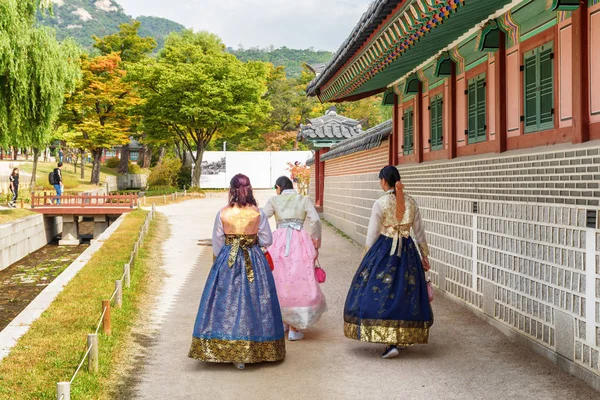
column 83, row 204
column 73, row 207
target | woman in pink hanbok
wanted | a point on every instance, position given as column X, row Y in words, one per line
column 294, row 251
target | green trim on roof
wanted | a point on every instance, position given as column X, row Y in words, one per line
column 388, row 97
column 412, row 84
column 489, row 37
column 564, row 5
column 443, row 65
column 540, row 29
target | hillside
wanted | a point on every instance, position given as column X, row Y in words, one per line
column 291, row 59
column 81, row 19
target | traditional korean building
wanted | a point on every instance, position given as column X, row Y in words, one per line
column 496, row 122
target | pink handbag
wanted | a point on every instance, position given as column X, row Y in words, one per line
column 430, row 290
column 320, row 272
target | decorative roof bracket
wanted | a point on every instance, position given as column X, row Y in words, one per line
column 564, row 5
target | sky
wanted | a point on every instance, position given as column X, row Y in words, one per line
column 321, row 24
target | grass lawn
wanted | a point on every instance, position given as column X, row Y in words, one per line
column 71, row 180
column 14, row 214
column 51, row 350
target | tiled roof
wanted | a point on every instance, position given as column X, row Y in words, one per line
column 368, row 140
column 317, row 69
column 331, row 126
column 378, row 11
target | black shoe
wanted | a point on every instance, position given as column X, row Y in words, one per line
column 390, row 352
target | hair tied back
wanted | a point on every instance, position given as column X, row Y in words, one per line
column 400, row 203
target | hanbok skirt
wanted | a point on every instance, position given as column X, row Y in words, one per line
column 300, row 297
column 388, row 302
column 239, row 319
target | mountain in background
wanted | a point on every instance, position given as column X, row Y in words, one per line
column 291, row 59
column 82, row 19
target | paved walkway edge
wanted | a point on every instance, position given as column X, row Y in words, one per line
column 20, row 325
column 562, row 362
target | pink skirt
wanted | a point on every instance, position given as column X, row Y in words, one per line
column 300, row 298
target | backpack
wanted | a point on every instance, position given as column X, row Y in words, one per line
column 52, row 178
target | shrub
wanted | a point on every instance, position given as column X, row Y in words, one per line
column 184, row 178
column 159, row 191
column 112, row 162
column 135, row 169
column 165, row 173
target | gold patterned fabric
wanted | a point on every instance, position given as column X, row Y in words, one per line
column 396, row 335
column 239, row 351
column 243, row 243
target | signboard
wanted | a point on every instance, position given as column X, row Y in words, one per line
column 262, row 167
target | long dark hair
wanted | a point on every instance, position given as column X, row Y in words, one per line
column 284, row 183
column 13, row 171
column 240, row 191
column 391, row 175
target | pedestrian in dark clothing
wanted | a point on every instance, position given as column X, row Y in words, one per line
column 14, row 187
column 58, row 182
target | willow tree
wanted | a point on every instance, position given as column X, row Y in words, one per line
column 195, row 89
column 35, row 71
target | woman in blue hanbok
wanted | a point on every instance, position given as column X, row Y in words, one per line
column 239, row 319
column 388, row 302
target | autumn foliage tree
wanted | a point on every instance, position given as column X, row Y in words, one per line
column 100, row 110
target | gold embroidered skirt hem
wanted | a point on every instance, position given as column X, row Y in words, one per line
column 398, row 335
column 239, row 351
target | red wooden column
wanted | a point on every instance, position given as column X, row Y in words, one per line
column 500, row 79
column 418, row 131
column 394, row 140
column 581, row 74
column 451, row 114
column 318, row 198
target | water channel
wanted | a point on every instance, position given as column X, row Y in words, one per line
column 21, row 282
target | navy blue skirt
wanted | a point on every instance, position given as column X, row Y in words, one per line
column 239, row 319
column 388, row 302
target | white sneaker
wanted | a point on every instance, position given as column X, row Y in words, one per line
column 239, row 365
column 390, row 352
column 295, row 335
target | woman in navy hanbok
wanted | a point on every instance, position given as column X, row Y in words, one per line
column 388, row 301
column 239, row 319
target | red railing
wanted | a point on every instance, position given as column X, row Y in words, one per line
column 84, row 200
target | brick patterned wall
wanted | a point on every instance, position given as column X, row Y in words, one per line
column 358, row 163
column 509, row 237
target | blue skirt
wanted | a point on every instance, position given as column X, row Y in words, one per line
column 239, row 319
column 388, row 302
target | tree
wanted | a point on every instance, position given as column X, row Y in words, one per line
column 127, row 43
column 132, row 49
column 35, row 71
column 100, row 110
column 195, row 89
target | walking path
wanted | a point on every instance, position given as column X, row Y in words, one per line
column 466, row 357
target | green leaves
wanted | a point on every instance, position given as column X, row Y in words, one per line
column 35, row 72
column 195, row 89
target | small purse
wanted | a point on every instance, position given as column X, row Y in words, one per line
column 320, row 272
column 269, row 260
column 429, row 290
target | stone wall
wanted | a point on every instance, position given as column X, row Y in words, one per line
column 22, row 237
column 514, row 237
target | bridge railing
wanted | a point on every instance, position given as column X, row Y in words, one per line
column 91, row 200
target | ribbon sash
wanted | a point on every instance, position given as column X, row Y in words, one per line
column 243, row 243
column 291, row 225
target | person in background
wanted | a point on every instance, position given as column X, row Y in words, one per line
column 14, row 187
column 294, row 251
column 58, row 185
column 388, row 301
column 239, row 319
column 60, row 155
